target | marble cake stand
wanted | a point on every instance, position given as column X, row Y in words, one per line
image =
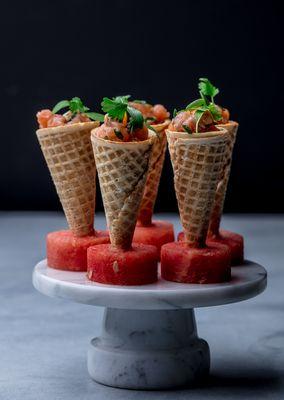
column 149, row 337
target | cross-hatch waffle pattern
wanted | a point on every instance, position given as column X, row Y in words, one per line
column 221, row 190
column 70, row 160
column 122, row 172
column 197, row 169
column 153, row 179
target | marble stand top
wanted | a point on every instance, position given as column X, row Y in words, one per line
column 247, row 281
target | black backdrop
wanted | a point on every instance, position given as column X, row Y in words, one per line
column 155, row 50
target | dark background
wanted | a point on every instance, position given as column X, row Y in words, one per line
column 155, row 50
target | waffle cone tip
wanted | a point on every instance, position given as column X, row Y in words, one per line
column 221, row 190
column 197, row 163
column 153, row 179
column 122, row 170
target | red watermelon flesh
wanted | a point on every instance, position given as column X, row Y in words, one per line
column 180, row 263
column 136, row 266
column 234, row 241
column 68, row 252
column 157, row 234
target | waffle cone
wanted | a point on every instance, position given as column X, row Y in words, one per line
column 68, row 153
column 197, row 162
column 122, row 169
column 154, row 175
column 216, row 215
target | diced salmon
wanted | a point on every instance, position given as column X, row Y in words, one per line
column 113, row 130
column 46, row 119
column 43, row 117
column 56, row 120
column 185, row 121
column 145, row 108
column 79, row 118
column 140, row 134
column 160, row 113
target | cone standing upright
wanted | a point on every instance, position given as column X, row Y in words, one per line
column 122, row 171
column 69, row 157
column 67, row 149
column 154, row 175
column 122, row 157
column 197, row 149
column 197, row 162
column 220, row 118
column 149, row 231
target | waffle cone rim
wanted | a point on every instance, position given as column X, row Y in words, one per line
column 161, row 127
column 63, row 129
column 119, row 144
column 229, row 123
column 206, row 137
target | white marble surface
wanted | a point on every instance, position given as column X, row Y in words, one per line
column 247, row 281
column 148, row 349
column 130, row 352
column 43, row 340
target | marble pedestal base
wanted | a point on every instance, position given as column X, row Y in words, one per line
column 149, row 338
column 143, row 349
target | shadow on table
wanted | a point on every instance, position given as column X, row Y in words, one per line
column 263, row 380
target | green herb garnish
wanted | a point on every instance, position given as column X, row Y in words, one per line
column 118, row 107
column 60, row 105
column 205, row 103
column 136, row 120
column 139, row 101
column 95, row 116
column 76, row 106
column 187, row 129
column 122, row 99
column 118, row 134
column 175, row 112
column 207, row 88
column 151, row 119
column 195, row 104
column 151, row 128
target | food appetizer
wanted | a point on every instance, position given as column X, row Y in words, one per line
column 222, row 119
column 148, row 231
column 197, row 148
column 122, row 148
column 66, row 146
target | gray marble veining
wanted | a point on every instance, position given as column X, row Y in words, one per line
column 148, row 349
column 248, row 280
column 43, row 340
column 140, row 346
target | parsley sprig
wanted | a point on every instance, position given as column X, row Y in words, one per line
column 204, row 104
column 118, row 108
column 207, row 89
column 75, row 106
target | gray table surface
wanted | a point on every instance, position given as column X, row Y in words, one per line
column 43, row 341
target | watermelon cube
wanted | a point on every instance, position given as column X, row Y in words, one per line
column 110, row 265
column 68, row 252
